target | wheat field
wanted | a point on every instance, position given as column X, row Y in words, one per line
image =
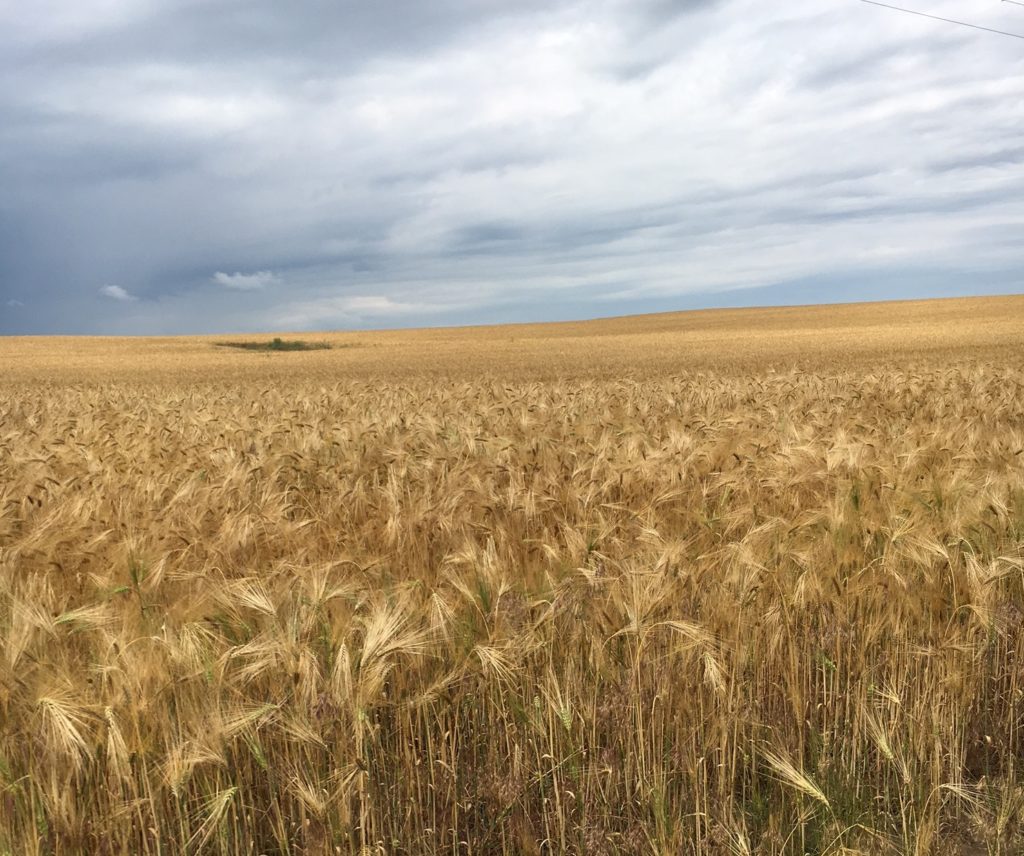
column 745, row 581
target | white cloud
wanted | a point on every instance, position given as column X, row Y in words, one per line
column 115, row 292
column 14, row 304
column 372, row 304
column 354, row 309
column 246, row 281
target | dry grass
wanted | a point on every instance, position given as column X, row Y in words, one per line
column 711, row 583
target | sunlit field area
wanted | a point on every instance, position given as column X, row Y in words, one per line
column 739, row 581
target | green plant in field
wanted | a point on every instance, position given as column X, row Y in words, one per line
column 276, row 344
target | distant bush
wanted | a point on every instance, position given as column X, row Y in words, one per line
column 277, row 344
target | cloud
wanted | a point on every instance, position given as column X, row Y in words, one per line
column 376, row 305
column 493, row 161
column 14, row 304
column 115, row 292
column 246, row 281
column 351, row 310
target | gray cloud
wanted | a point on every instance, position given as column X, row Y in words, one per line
column 471, row 160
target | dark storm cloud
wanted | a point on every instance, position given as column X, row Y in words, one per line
column 277, row 38
column 659, row 14
column 487, row 234
column 204, row 165
column 1012, row 156
column 847, row 70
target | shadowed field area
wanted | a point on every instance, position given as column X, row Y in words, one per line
column 739, row 581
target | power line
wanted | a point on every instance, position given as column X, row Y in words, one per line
column 947, row 20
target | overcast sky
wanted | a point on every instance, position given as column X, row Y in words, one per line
column 176, row 166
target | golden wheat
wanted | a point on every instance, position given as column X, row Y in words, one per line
column 709, row 585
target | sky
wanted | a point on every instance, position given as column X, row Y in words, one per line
column 199, row 166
